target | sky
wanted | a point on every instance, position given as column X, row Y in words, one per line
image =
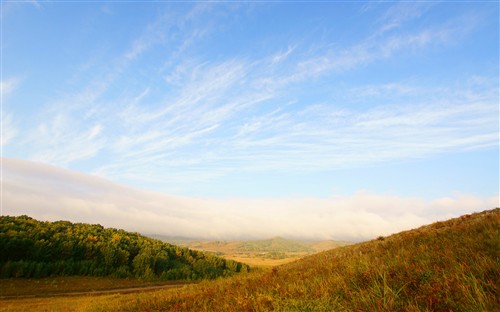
column 321, row 106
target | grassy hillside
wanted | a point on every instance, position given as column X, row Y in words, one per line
column 446, row 266
column 327, row 245
column 31, row 248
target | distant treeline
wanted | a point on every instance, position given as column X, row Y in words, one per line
column 31, row 248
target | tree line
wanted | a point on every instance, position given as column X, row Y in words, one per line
column 32, row 249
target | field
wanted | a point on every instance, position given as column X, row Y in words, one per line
column 68, row 293
column 69, row 284
column 446, row 266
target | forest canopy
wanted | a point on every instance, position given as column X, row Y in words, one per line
column 31, row 248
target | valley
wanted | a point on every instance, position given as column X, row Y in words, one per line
column 256, row 253
column 449, row 265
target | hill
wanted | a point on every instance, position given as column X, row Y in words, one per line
column 327, row 245
column 31, row 248
column 446, row 266
column 276, row 244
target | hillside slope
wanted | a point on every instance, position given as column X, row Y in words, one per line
column 31, row 248
column 447, row 266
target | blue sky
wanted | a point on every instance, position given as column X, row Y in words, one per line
column 257, row 99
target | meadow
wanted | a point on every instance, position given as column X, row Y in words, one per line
column 65, row 293
column 446, row 266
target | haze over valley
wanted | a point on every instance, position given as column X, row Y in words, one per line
column 49, row 193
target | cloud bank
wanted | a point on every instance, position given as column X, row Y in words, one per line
column 50, row 193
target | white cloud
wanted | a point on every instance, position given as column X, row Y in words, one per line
column 65, row 140
column 50, row 193
column 8, row 86
column 8, row 129
column 281, row 56
column 400, row 13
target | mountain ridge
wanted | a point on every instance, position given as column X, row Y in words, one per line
column 255, row 245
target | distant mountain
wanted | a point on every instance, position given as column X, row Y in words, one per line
column 272, row 245
column 276, row 244
column 327, row 245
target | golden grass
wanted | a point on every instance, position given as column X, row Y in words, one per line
column 43, row 294
column 69, row 304
column 258, row 261
column 448, row 266
column 67, row 284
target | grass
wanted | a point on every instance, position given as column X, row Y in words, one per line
column 66, row 284
column 79, row 304
column 263, row 261
column 447, row 266
column 37, row 294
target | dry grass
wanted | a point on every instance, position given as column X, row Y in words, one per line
column 47, row 304
column 257, row 261
column 67, row 284
column 447, row 266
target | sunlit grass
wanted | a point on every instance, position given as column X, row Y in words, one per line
column 448, row 266
column 66, row 284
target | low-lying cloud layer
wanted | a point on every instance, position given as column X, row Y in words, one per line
column 49, row 193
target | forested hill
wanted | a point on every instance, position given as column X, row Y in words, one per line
column 31, row 248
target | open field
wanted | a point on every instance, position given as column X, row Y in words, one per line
column 70, row 284
column 262, row 260
column 71, row 293
column 47, row 304
column 75, row 303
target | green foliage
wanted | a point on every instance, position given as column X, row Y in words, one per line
column 30, row 248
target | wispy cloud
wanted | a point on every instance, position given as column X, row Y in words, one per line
column 9, row 85
column 60, row 142
column 50, row 193
column 211, row 116
column 9, row 129
column 401, row 13
column 189, row 116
